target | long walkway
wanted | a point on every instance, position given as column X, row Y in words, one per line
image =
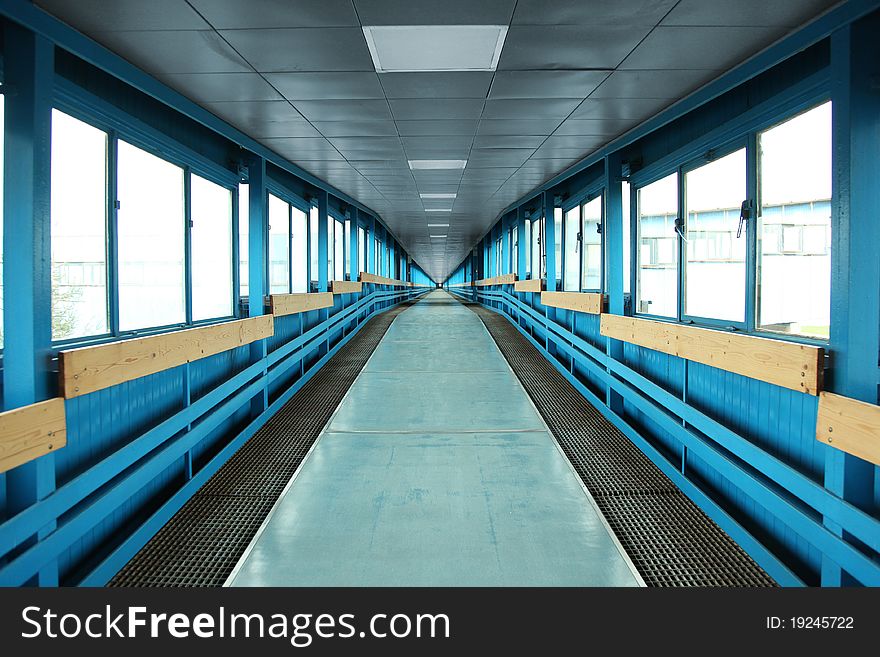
column 435, row 471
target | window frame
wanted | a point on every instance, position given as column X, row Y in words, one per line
column 723, row 141
column 590, row 194
column 98, row 114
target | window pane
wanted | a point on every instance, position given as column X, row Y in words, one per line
column 658, row 248
column 498, row 260
column 715, row 268
column 527, row 236
column 362, row 250
column 211, row 236
column 794, row 271
column 627, row 236
column 299, row 246
column 348, row 249
column 537, row 244
column 557, row 244
column 243, row 245
column 591, row 243
column 313, row 243
column 279, row 246
column 2, row 150
column 338, row 251
column 514, row 250
column 377, row 247
column 151, row 240
column 79, row 228
column 572, row 274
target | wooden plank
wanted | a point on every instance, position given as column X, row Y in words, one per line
column 89, row 369
column 345, row 287
column 31, row 431
column 504, row 279
column 780, row 362
column 530, row 285
column 299, row 302
column 585, row 302
column 467, row 284
column 366, row 277
column 850, row 425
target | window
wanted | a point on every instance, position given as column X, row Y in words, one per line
column 715, row 266
column 514, row 250
column 299, row 250
column 211, row 240
column 377, row 249
column 537, row 248
column 79, row 228
column 557, row 243
column 528, row 244
column 338, row 243
column 657, row 265
column 591, row 244
column 243, row 242
column 348, row 249
column 313, row 243
column 151, row 240
column 362, row 249
column 571, row 237
column 279, row 246
column 794, row 228
column 498, row 258
column 2, row 150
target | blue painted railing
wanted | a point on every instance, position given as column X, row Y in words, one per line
column 82, row 504
column 706, row 457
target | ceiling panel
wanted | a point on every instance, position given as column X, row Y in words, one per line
column 219, row 87
column 600, row 127
column 302, row 49
column 99, row 15
column 530, row 108
column 343, row 110
column 356, row 128
column 235, row 14
column 619, row 108
column 568, row 46
column 332, row 85
column 175, row 51
column 498, row 157
column 707, row 48
column 592, row 12
column 508, row 141
column 653, row 84
column 518, row 126
column 447, row 12
column 415, row 109
column 779, row 13
column 437, row 127
column 463, row 84
column 545, row 84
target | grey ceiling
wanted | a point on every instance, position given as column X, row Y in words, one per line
column 573, row 74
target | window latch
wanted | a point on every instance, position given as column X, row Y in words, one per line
column 746, row 212
column 679, row 228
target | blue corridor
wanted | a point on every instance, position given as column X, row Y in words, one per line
column 436, row 470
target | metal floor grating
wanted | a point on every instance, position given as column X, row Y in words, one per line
column 204, row 540
column 669, row 539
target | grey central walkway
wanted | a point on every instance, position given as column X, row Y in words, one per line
column 435, row 471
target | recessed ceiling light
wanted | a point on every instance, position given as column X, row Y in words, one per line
column 438, row 225
column 438, row 195
column 438, row 237
column 437, row 164
column 411, row 48
column 438, row 209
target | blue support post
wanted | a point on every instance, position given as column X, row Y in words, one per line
column 27, row 263
column 258, row 270
column 613, row 233
column 855, row 306
column 354, row 247
column 549, row 240
column 371, row 245
column 323, row 259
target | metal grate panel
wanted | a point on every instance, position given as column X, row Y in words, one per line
column 204, row 540
column 669, row 539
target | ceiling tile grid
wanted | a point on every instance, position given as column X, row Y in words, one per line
column 571, row 76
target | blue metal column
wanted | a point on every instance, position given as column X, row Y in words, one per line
column 27, row 248
column 521, row 264
column 614, row 246
column 353, row 244
column 258, row 271
column 549, row 245
column 323, row 259
column 855, row 305
column 371, row 245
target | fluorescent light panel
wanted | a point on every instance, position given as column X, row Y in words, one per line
column 438, row 209
column 437, row 164
column 438, row 225
column 438, row 195
column 413, row 48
